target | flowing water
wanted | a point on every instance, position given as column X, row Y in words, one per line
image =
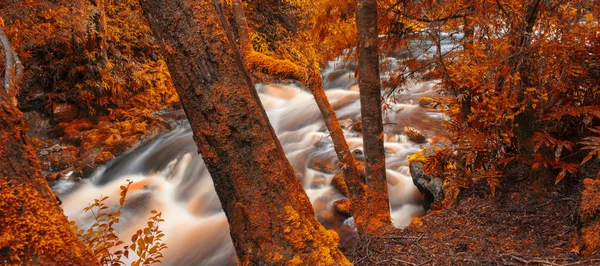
column 170, row 177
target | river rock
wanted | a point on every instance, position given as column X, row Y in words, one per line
column 339, row 182
column 323, row 165
column 356, row 127
column 346, row 123
column 358, row 154
column 342, row 207
column 427, row 102
column 414, row 135
column 430, row 187
column 61, row 157
column 64, row 112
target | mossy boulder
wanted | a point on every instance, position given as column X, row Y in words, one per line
column 430, row 187
column 415, row 135
column 339, row 182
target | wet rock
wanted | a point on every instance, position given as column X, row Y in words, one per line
column 322, row 165
column 427, row 102
column 103, row 157
column 339, row 182
column 358, row 154
column 342, row 207
column 318, row 181
column 429, row 186
column 323, row 145
column 66, row 174
column 346, row 123
column 62, row 160
column 53, row 149
column 415, row 135
column 88, row 160
column 64, row 112
column 356, row 127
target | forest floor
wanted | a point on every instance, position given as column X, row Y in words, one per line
column 524, row 224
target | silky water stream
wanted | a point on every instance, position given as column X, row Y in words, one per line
column 170, row 177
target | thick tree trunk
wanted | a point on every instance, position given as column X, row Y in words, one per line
column 271, row 218
column 378, row 219
column 33, row 228
column 287, row 69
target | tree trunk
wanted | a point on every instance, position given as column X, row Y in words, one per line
column 378, row 220
column 352, row 174
column 526, row 119
column 287, row 69
column 271, row 218
column 242, row 24
column 101, row 30
column 33, row 228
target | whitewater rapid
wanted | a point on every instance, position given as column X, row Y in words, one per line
column 170, row 177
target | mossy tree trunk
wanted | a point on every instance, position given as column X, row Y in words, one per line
column 33, row 228
column 312, row 78
column 377, row 204
column 271, row 218
column 242, row 25
column 100, row 36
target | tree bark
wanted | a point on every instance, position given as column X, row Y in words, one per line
column 520, row 62
column 271, row 218
column 101, row 28
column 312, row 78
column 352, row 174
column 242, row 25
column 33, row 228
column 378, row 220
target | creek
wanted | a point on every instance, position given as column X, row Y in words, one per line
column 170, row 177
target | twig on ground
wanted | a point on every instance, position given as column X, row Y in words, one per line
column 405, row 262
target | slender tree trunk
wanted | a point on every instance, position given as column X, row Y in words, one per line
column 242, row 24
column 526, row 119
column 352, row 174
column 33, row 228
column 378, row 220
column 286, row 69
column 271, row 218
column 9, row 59
column 101, row 28
column 361, row 211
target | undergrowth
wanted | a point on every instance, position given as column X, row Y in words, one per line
column 104, row 241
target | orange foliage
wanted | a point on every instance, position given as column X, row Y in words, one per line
column 102, row 239
column 38, row 229
column 523, row 79
column 56, row 42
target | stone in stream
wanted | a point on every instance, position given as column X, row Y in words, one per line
column 414, row 135
column 346, row 123
column 427, row 102
column 429, row 186
column 342, row 207
column 356, row 127
column 323, row 165
column 339, row 182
